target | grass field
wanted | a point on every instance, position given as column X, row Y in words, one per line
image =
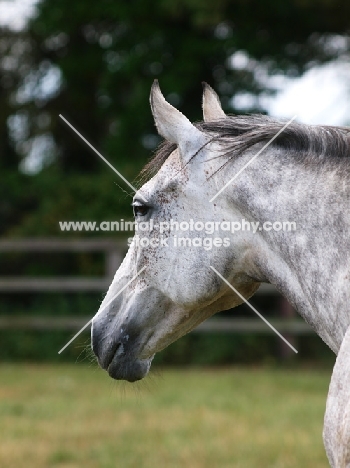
column 75, row 416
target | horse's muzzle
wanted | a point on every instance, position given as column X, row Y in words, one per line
column 117, row 354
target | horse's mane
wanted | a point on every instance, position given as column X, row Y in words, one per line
column 239, row 133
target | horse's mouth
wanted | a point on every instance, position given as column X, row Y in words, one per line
column 121, row 364
column 126, row 368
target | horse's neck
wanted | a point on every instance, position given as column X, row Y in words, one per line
column 310, row 266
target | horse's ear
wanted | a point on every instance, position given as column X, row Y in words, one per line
column 173, row 125
column 212, row 109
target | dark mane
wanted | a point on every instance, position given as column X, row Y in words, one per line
column 239, row 133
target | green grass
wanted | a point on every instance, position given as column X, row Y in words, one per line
column 76, row 416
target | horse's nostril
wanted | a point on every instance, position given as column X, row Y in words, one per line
column 116, row 350
column 104, row 348
column 119, row 350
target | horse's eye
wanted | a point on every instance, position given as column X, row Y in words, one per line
column 140, row 210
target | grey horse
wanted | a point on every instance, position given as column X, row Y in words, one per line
column 162, row 290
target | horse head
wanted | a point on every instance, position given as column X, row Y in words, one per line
column 165, row 286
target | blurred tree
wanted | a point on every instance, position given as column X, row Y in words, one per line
column 94, row 63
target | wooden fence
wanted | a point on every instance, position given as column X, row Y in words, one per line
column 114, row 252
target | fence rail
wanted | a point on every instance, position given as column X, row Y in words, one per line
column 114, row 252
column 217, row 325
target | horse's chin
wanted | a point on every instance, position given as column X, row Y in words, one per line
column 131, row 371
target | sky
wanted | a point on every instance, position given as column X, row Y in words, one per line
column 14, row 13
column 320, row 96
